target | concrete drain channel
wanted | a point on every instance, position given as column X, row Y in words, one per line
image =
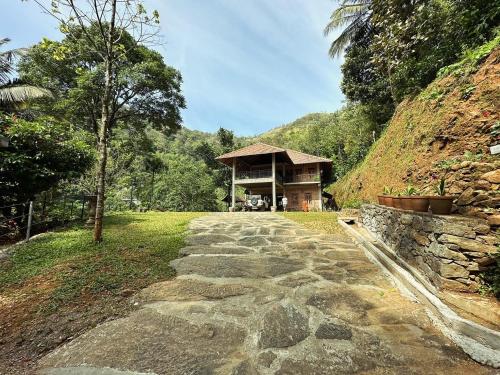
column 481, row 343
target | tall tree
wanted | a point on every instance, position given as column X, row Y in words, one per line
column 13, row 91
column 351, row 15
column 104, row 27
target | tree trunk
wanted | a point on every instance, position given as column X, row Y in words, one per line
column 103, row 131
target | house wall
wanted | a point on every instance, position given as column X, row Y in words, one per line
column 296, row 195
column 299, row 195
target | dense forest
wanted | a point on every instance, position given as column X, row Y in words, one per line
column 51, row 101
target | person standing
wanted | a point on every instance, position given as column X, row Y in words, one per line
column 284, row 201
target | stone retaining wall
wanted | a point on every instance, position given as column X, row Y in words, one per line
column 450, row 251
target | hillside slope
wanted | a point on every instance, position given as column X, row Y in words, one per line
column 454, row 120
column 295, row 134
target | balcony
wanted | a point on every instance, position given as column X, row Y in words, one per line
column 304, row 177
column 255, row 174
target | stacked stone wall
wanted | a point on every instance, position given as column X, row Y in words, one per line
column 450, row 251
column 474, row 184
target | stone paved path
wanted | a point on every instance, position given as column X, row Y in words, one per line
column 259, row 294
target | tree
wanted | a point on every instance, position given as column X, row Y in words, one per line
column 40, row 154
column 354, row 15
column 14, row 91
column 109, row 33
column 188, row 185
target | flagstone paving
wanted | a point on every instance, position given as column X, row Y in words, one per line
column 259, row 294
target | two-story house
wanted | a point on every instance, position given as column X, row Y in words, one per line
column 276, row 172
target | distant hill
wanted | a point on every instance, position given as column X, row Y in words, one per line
column 294, row 135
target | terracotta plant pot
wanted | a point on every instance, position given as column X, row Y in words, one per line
column 396, row 202
column 441, row 205
column 405, row 202
column 381, row 200
column 389, row 201
column 419, row 204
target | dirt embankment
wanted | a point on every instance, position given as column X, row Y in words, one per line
column 453, row 121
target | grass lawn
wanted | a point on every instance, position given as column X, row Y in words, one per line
column 325, row 222
column 61, row 284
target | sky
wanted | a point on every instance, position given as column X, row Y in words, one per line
column 247, row 65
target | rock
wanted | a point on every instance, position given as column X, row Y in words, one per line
column 253, row 241
column 283, row 325
column 452, row 270
column 457, row 230
column 244, row 368
column 481, row 229
column 467, row 197
column 188, row 250
column 208, row 239
column 489, row 240
column 482, row 185
column 333, row 331
column 420, row 238
column 443, row 252
column 266, row 359
column 494, row 220
column 467, row 244
column 493, row 176
column 406, row 219
column 234, row 266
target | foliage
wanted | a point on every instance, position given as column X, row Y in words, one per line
column 40, row 154
column 354, row 15
column 490, row 279
column 409, row 191
column 146, row 90
column 14, row 91
column 129, row 258
column 441, row 187
column 344, row 136
column 395, row 48
column 388, row 190
column 471, row 59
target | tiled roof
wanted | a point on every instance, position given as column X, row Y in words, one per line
column 255, row 149
column 301, row 158
column 261, row 148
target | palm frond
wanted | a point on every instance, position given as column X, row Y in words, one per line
column 21, row 93
column 354, row 14
column 344, row 38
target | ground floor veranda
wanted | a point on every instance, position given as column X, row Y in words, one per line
column 300, row 196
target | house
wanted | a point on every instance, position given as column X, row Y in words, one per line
column 275, row 172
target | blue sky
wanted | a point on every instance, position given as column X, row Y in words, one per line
column 247, row 65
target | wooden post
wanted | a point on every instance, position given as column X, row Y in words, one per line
column 30, row 218
column 233, row 188
column 273, row 207
column 319, row 188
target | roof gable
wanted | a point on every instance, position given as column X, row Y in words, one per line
column 260, row 148
column 302, row 158
column 255, row 149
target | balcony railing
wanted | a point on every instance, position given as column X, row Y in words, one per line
column 304, row 177
column 258, row 173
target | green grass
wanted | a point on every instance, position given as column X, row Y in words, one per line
column 325, row 222
column 136, row 252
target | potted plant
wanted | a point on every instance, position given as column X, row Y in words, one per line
column 387, row 196
column 412, row 200
column 396, row 201
column 406, row 197
column 442, row 203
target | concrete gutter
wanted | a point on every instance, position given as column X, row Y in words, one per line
column 481, row 343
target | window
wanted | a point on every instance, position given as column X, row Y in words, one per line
column 312, row 171
column 298, row 171
column 295, row 199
